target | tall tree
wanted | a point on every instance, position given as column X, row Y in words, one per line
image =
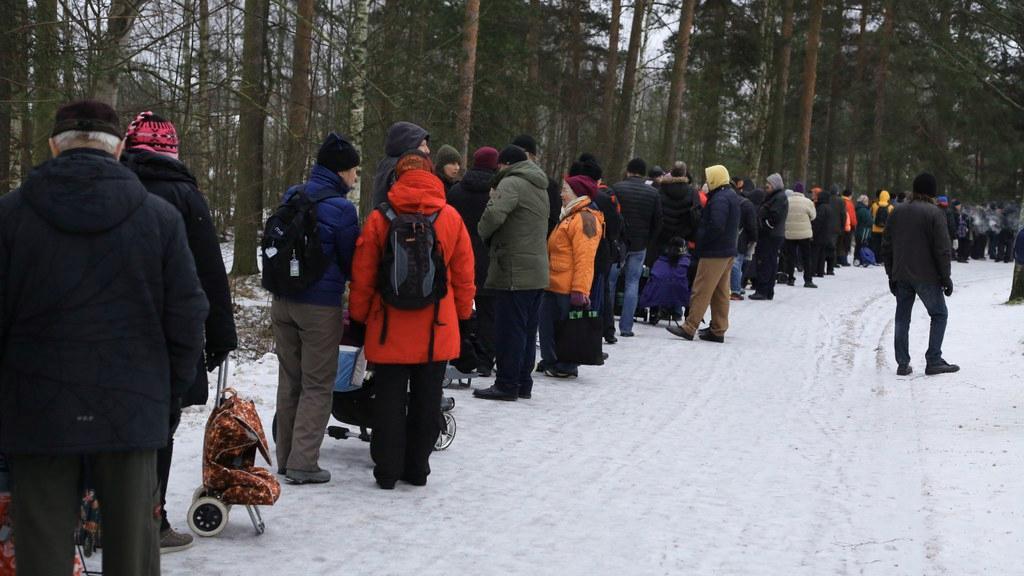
column 467, row 74
column 251, row 124
column 44, row 79
column 834, row 94
column 112, row 57
column 857, row 101
column 881, row 78
column 297, row 151
column 713, row 81
column 677, row 87
column 782, row 88
column 533, row 67
column 622, row 117
column 803, row 145
column 763, row 101
column 611, row 80
column 571, row 89
column 357, row 89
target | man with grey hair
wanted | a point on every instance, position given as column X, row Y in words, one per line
column 101, row 324
column 771, row 218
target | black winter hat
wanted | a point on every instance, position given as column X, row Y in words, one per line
column 337, row 154
column 637, row 166
column 512, row 155
column 527, row 143
column 87, row 116
column 924, row 185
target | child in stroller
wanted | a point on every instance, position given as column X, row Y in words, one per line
column 668, row 289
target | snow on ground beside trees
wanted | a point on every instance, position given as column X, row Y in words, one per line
column 792, row 449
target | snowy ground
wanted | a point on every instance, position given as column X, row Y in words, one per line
column 793, row 449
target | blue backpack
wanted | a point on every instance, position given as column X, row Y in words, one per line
column 867, row 257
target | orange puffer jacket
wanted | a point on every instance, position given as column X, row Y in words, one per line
column 572, row 246
column 408, row 334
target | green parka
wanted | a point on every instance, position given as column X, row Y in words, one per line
column 514, row 226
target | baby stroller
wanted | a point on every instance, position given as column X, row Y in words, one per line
column 353, row 405
column 234, row 434
column 668, row 287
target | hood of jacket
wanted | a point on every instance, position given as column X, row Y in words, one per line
column 84, row 191
column 527, row 170
column 417, row 191
column 148, row 165
column 883, row 198
column 756, row 196
column 403, row 137
column 477, row 181
column 717, row 176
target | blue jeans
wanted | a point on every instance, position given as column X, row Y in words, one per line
column 736, row 278
column 634, row 269
column 553, row 309
column 934, row 301
column 597, row 291
column 515, row 342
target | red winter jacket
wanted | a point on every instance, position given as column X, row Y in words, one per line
column 408, row 335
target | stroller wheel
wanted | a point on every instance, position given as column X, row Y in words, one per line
column 198, row 493
column 207, row 516
column 447, row 435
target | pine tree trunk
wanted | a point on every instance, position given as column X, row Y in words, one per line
column 834, row 96
column 21, row 83
column 803, row 149
column 782, row 88
column 762, row 106
column 622, row 121
column 856, row 133
column 467, row 75
column 297, row 151
column 636, row 110
column 7, row 66
column 44, row 68
column 677, row 87
column 357, row 89
column 251, row 123
column 1017, row 289
column 611, row 83
column 711, row 115
column 203, row 119
column 533, row 69
column 881, row 77
column 571, row 90
column 112, row 58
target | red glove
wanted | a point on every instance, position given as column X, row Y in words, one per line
column 579, row 300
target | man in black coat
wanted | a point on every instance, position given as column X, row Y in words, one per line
column 826, row 233
column 469, row 196
column 771, row 217
column 641, row 215
column 916, row 250
column 152, row 154
column 101, row 317
column 744, row 244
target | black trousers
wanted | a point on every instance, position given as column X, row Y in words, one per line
column 843, row 248
column 485, row 329
column 824, row 258
column 163, row 462
column 406, row 419
column 963, row 253
column 980, row 243
column 806, row 255
column 47, row 495
column 767, row 262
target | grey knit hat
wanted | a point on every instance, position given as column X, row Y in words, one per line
column 776, row 181
column 447, row 155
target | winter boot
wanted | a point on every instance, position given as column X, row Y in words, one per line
column 904, row 370
column 494, row 393
column 318, row 476
column 708, row 336
column 810, row 284
column 678, row 330
column 941, row 367
column 171, row 541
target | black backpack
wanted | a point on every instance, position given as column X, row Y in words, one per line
column 412, row 273
column 293, row 256
column 882, row 215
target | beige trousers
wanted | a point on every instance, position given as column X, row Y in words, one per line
column 711, row 287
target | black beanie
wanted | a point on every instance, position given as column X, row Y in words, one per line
column 512, row 155
column 527, row 143
column 637, row 166
column 337, row 154
column 87, row 116
column 924, row 185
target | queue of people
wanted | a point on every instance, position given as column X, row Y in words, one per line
column 118, row 259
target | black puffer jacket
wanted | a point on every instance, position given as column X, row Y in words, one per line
column 826, row 229
column 170, row 179
column 608, row 251
column 680, row 210
column 469, row 196
column 101, row 310
column 748, row 225
column 916, row 248
column 641, row 212
column 772, row 214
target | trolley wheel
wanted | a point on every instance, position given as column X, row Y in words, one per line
column 198, row 493
column 447, row 435
column 207, row 516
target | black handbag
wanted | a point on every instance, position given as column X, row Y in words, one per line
column 578, row 338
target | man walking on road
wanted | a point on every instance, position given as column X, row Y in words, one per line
column 716, row 247
column 916, row 250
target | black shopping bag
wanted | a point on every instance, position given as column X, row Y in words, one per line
column 578, row 338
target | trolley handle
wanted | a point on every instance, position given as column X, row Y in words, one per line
column 222, row 380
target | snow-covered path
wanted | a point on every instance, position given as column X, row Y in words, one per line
column 792, row 449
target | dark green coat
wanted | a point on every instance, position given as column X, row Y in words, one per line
column 514, row 226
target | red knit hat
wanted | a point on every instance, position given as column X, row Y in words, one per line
column 151, row 132
column 582, row 185
column 485, row 158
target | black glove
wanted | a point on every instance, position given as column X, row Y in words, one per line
column 355, row 334
column 214, row 358
column 947, row 286
column 467, row 329
column 892, row 286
